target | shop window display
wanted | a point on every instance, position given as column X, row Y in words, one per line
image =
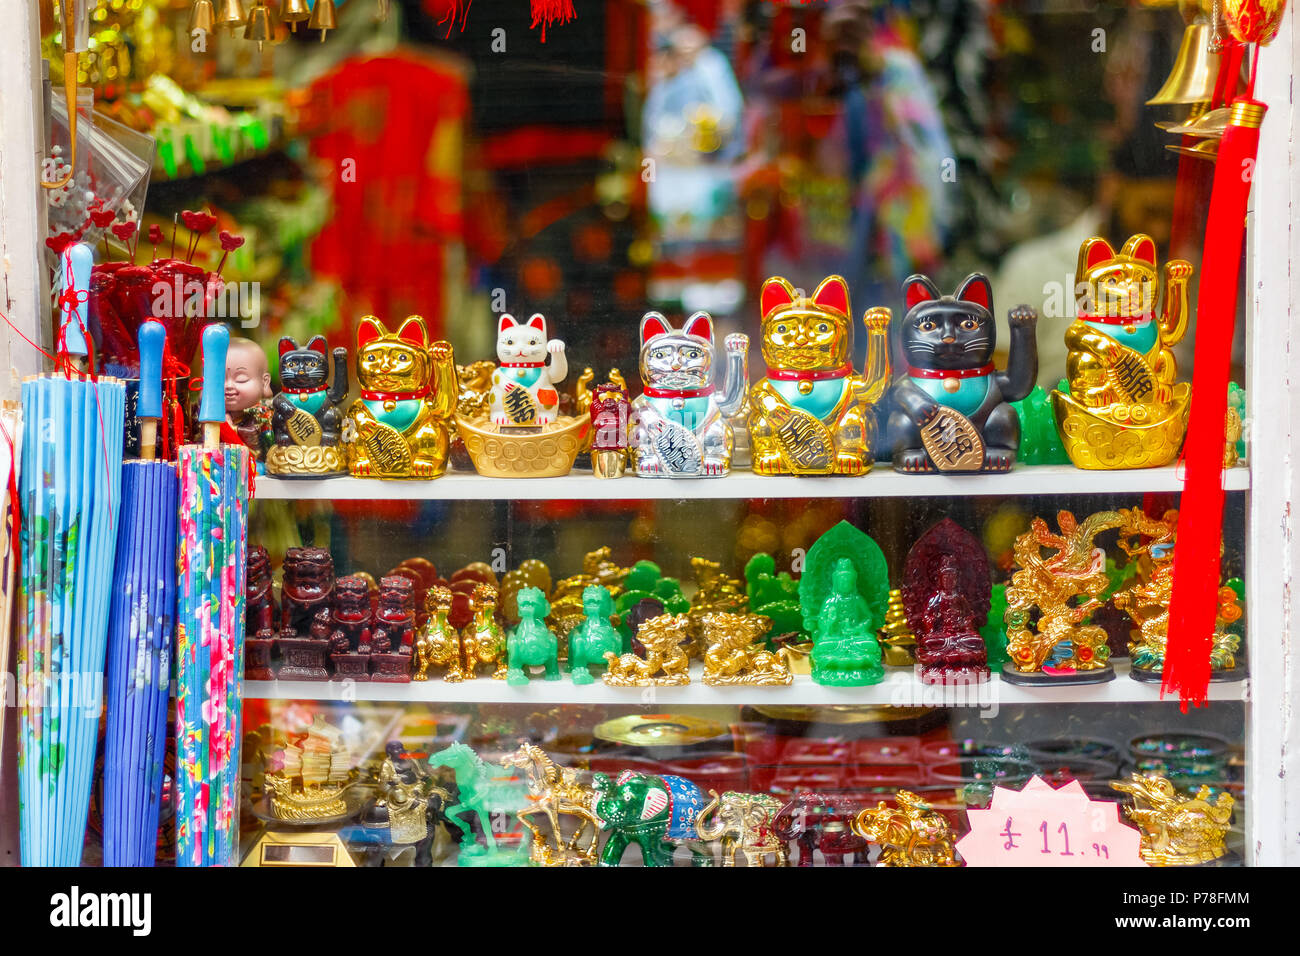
column 463, row 588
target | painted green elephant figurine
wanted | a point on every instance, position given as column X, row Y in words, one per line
column 656, row 813
column 589, row 641
column 531, row 644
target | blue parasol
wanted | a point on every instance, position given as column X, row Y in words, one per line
column 140, row 627
column 69, row 490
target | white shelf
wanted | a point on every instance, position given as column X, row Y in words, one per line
column 901, row 688
column 881, row 482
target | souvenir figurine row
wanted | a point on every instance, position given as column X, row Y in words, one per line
column 1119, row 406
column 563, row 812
column 1064, row 612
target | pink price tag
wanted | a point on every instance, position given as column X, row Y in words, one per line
column 1044, row 826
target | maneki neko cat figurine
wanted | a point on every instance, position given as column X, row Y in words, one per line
column 524, row 392
column 305, row 415
column 398, row 427
column 953, row 408
column 679, row 426
column 812, row 414
column 1125, row 407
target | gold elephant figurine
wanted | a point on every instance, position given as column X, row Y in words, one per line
column 743, row 822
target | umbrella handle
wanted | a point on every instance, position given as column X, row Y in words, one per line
column 78, row 261
column 212, row 403
column 152, row 339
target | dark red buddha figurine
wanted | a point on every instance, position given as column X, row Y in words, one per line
column 946, row 589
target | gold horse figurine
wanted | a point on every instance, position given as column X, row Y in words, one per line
column 557, row 792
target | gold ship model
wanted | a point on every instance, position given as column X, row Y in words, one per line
column 312, row 781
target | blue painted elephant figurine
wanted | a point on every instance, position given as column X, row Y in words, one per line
column 656, row 813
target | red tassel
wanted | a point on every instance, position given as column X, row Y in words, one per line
column 1196, row 557
column 546, row 12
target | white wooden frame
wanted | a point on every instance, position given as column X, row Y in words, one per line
column 1273, row 257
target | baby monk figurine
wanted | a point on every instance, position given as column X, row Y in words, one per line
column 248, row 383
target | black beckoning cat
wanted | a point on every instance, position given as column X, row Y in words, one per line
column 306, row 411
column 948, row 343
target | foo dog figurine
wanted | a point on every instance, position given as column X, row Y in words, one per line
column 1058, row 647
column 946, row 591
column 398, row 427
column 524, row 393
column 595, row 636
column 953, row 408
column 394, row 631
column 350, row 637
column 438, row 642
column 483, row 639
column 306, row 415
column 259, row 616
column 1125, row 407
column 679, row 429
column 812, row 415
column 609, row 410
column 307, row 587
column 735, row 653
column 1176, row 830
column 665, row 662
column 531, row 643
column 843, row 593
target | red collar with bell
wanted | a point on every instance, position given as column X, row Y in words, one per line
column 393, row 396
column 805, row 378
column 949, row 372
column 1116, row 319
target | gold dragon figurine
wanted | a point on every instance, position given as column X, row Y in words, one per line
column 665, row 662
column 1150, row 543
column 1076, row 568
column 1176, row 830
column 1125, row 407
column 910, row 834
column 735, row 653
column 557, row 792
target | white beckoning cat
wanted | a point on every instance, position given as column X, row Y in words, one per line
column 523, row 386
column 679, row 426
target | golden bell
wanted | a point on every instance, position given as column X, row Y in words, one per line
column 293, row 12
column 260, row 27
column 202, row 16
column 231, row 15
column 1195, row 70
column 323, row 18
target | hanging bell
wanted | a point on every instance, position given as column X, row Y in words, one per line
column 202, row 16
column 293, row 12
column 323, row 18
column 260, row 27
column 231, row 15
column 1195, row 70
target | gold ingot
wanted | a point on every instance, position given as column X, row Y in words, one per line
column 294, row 12
column 323, row 18
column 202, row 16
column 231, row 15
column 259, row 28
column 1195, row 70
column 545, row 452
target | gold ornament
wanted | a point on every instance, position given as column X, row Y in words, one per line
column 545, row 452
column 323, row 18
column 313, row 779
column 304, row 460
column 896, row 638
column 1176, row 830
column 735, row 653
column 294, row 12
column 557, row 793
column 483, row 639
column 202, row 16
column 911, row 834
column 438, row 643
column 231, row 14
column 743, row 822
column 1194, row 72
column 665, row 662
column 1075, row 568
column 260, row 26
column 1125, row 407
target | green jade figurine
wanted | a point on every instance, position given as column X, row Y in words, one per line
column 531, row 643
column 844, row 593
column 589, row 641
column 480, row 792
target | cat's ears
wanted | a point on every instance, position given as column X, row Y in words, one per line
column 317, row 344
column 918, row 289
column 507, row 321
column 412, row 331
column 1142, row 248
column 975, row 288
column 832, row 295
column 652, row 324
column 368, row 329
column 701, row 324
column 1092, row 253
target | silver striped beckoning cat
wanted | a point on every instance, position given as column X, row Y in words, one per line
column 679, row 426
